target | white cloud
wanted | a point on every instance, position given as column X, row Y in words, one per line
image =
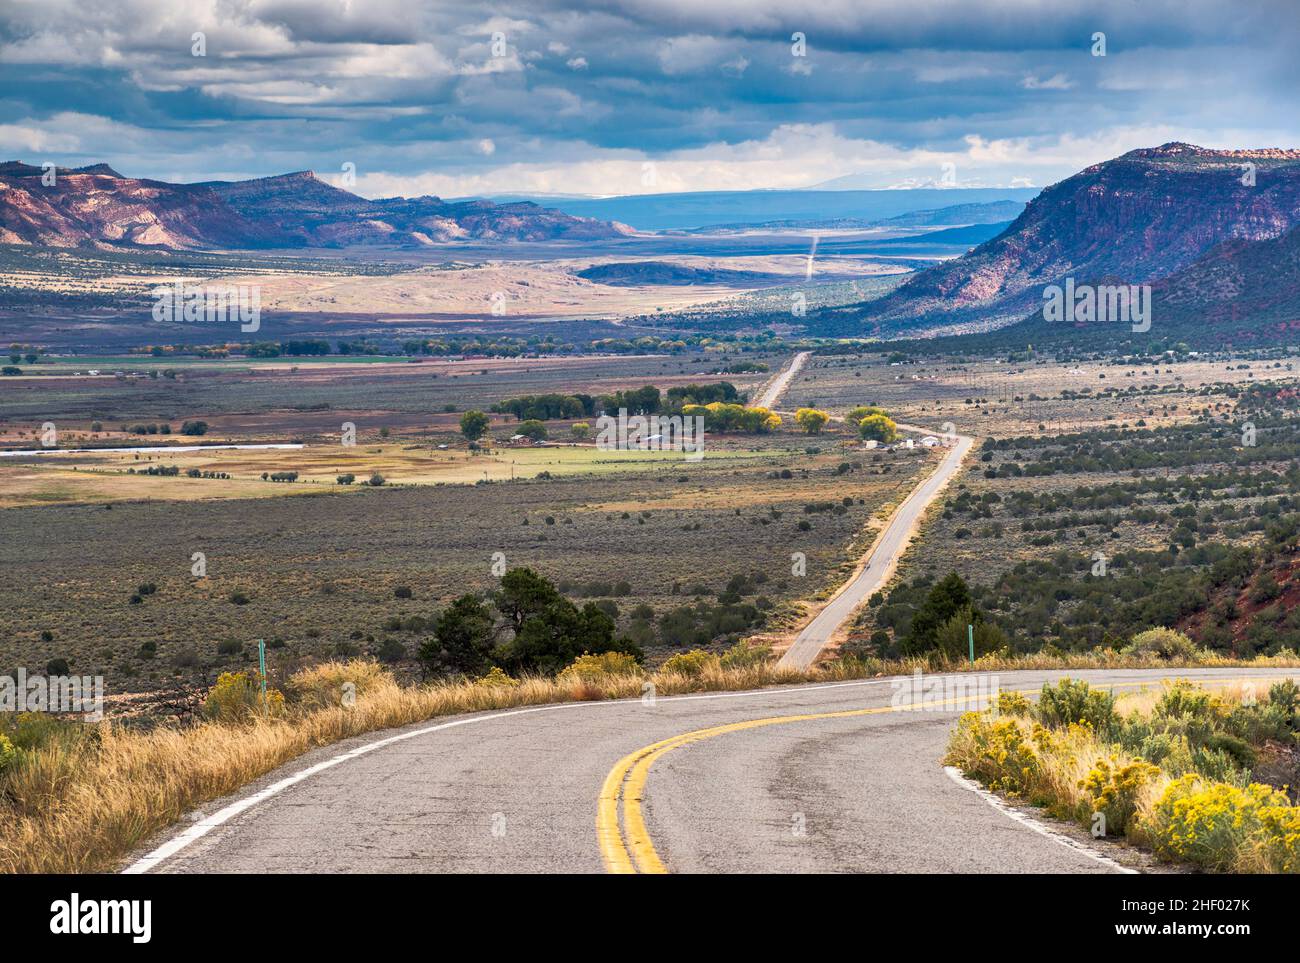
column 510, row 27
column 19, row 139
column 692, row 54
column 1054, row 82
column 418, row 61
column 887, row 92
column 288, row 92
column 736, row 67
column 66, row 133
column 791, row 156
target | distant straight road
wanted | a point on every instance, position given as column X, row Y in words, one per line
column 879, row 563
column 776, row 387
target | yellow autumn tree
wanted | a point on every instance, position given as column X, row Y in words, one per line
column 811, row 420
column 878, row 428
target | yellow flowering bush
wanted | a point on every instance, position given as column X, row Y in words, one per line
column 743, row 655
column 1172, row 775
column 496, row 677
column 1013, row 704
column 691, row 663
column 7, row 751
column 237, row 697
column 1073, row 700
column 1168, row 644
column 591, row 668
column 1278, row 846
column 1113, row 789
column 1212, row 824
column 1048, row 740
column 996, row 752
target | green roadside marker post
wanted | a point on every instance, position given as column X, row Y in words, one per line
column 970, row 637
column 261, row 667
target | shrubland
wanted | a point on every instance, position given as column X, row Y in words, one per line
column 1197, row 776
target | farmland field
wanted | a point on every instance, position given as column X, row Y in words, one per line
column 661, row 543
column 306, row 393
column 157, row 568
column 317, row 574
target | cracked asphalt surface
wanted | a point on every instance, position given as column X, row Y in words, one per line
column 515, row 791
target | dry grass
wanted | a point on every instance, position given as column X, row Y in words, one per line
column 104, row 477
column 82, row 803
column 50, row 484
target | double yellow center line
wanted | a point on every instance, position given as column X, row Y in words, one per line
column 626, row 783
column 629, row 849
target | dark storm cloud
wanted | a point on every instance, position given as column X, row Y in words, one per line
column 585, row 94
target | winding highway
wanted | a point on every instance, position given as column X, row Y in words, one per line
column 836, row 777
column 819, row 778
column 877, row 566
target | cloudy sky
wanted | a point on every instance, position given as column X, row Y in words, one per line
column 635, row 96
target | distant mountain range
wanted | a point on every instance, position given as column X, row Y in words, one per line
column 989, row 212
column 906, row 178
column 697, row 210
column 97, row 205
column 1206, row 228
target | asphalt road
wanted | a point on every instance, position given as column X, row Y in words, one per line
column 880, row 561
column 859, row 790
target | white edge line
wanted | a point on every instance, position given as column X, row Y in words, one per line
column 209, row 823
column 956, row 776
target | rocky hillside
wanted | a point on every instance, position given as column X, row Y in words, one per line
column 1241, row 292
column 96, row 205
column 1140, row 218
